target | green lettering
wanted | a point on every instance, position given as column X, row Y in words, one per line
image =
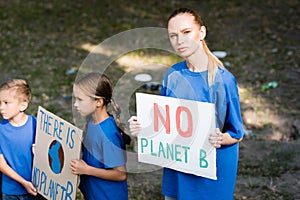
column 177, row 153
column 144, row 143
column 203, row 162
column 186, row 153
column 161, row 149
column 151, row 148
column 170, row 152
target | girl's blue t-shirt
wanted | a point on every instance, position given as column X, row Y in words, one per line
column 16, row 147
column 180, row 82
column 104, row 148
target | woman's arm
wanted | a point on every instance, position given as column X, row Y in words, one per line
column 226, row 139
column 115, row 174
column 8, row 171
column 233, row 125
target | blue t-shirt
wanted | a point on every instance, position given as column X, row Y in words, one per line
column 104, row 148
column 180, row 82
column 16, row 147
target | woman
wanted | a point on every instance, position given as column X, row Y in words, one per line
column 202, row 77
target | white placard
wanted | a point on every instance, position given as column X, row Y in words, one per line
column 175, row 133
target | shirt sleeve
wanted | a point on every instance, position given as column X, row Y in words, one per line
column 233, row 121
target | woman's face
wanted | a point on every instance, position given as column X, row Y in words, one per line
column 84, row 104
column 185, row 34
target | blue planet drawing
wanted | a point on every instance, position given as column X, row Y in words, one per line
column 56, row 157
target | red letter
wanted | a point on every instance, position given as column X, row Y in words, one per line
column 189, row 130
column 157, row 114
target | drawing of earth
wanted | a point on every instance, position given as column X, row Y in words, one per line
column 56, row 157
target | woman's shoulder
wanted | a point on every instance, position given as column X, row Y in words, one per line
column 229, row 82
column 175, row 70
column 227, row 77
column 176, row 67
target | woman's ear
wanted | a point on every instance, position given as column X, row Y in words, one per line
column 202, row 32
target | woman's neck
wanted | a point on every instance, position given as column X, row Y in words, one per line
column 19, row 120
column 198, row 61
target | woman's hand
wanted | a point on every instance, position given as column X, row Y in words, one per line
column 218, row 139
column 134, row 126
column 78, row 167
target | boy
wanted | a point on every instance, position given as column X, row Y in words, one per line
column 17, row 134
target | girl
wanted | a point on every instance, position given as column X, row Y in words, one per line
column 102, row 168
column 202, row 77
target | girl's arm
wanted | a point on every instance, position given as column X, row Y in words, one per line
column 8, row 171
column 115, row 174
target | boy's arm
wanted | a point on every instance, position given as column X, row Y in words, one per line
column 8, row 171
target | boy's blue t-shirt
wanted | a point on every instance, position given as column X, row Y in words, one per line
column 104, row 148
column 16, row 147
column 180, row 82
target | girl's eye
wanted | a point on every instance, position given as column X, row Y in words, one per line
column 186, row 32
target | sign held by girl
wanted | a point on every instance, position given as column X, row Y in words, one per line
column 57, row 142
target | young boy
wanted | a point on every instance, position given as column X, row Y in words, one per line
column 17, row 134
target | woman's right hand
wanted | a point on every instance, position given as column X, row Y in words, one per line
column 134, row 126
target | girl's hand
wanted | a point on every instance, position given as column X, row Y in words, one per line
column 78, row 167
column 134, row 126
column 216, row 139
column 30, row 188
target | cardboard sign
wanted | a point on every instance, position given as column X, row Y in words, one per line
column 57, row 143
column 175, row 133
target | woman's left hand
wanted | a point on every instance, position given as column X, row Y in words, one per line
column 216, row 139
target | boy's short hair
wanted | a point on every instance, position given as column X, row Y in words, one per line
column 21, row 87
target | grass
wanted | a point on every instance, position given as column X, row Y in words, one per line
column 273, row 164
